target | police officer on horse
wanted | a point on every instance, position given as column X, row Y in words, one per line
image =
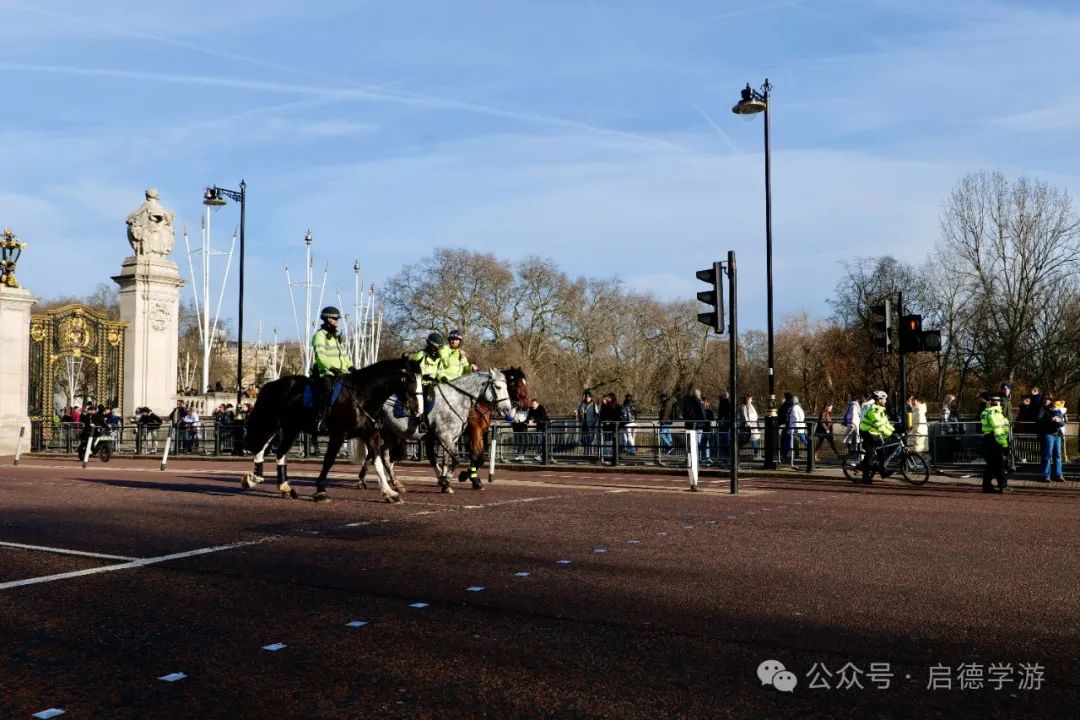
column 329, row 360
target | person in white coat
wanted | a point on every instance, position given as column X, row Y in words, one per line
column 748, row 421
column 797, row 428
column 920, row 428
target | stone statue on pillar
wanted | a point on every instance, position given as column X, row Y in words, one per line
column 150, row 229
column 150, row 303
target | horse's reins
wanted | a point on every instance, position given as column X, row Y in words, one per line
column 475, row 398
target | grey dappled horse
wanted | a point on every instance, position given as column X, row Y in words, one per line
column 280, row 412
column 446, row 421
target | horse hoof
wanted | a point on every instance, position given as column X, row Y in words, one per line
column 362, row 484
column 320, row 497
column 477, row 485
column 293, row 494
column 448, row 490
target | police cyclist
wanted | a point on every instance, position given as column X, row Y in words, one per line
column 874, row 429
column 995, row 429
column 329, row 360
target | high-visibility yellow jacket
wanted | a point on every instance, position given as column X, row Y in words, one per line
column 995, row 423
column 328, row 353
column 875, row 421
column 429, row 366
column 452, row 364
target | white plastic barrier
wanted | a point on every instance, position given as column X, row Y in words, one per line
column 692, row 457
column 18, row 444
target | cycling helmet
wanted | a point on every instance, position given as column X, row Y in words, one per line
column 880, row 395
column 330, row 312
column 454, row 335
column 435, row 339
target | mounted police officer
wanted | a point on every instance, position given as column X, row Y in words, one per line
column 452, row 361
column 329, row 360
column 430, row 359
column 995, row 429
column 874, row 429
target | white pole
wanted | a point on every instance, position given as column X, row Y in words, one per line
column 360, row 329
column 207, row 340
column 224, row 282
column 191, row 271
column 18, row 444
column 322, row 292
column 168, row 442
column 292, row 300
column 307, row 305
column 692, row 450
column 491, row 457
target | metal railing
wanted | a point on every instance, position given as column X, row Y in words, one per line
column 565, row 441
column 208, row 438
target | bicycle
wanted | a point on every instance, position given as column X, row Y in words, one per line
column 911, row 465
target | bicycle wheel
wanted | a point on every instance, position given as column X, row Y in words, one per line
column 852, row 465
column 914, row 469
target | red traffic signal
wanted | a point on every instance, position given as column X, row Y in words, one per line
column 911, row 333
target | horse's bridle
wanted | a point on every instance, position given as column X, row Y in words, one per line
column 419, row 394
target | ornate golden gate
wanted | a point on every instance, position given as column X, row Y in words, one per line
column 76, row 356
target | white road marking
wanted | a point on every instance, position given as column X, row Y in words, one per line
column 65, row 551
column 141, row 562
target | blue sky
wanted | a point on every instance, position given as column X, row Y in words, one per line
column 593, row 132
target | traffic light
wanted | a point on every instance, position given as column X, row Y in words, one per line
column 931, row 340
column 911, row 333
column 713, row 296
column 881, row 325
column 914, row 339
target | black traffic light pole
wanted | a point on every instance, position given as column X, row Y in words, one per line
column 714, row 297
column 901, row 406
column 733, row 350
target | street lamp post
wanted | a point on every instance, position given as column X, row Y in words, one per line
column 752, row 102
column 215, row 197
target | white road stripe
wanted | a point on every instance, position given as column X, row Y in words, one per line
column 142, row 562
column 64, row 551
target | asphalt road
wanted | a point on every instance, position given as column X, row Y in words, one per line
column 937, row 601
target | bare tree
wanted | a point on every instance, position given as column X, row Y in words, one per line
column 1014, row 251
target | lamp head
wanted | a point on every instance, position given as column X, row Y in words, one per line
column 750, row 103
column 212, row 198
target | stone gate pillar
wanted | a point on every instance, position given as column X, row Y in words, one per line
column 14, row 366
column 150, row 304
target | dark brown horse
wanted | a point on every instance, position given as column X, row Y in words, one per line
column 280, row 412
column 480, row 421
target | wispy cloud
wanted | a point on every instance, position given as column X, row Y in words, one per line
column 757, row 9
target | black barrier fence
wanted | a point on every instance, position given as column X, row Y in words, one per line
column 562, row 441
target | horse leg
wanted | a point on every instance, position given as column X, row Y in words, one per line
column 251, row 479
column 388, row 493
column 362, row 456
column 444, row 468
column 284, row 487
column 333, row 444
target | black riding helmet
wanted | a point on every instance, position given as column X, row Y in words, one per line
column 330, row 312
column 434, row 341
column 454, row 335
